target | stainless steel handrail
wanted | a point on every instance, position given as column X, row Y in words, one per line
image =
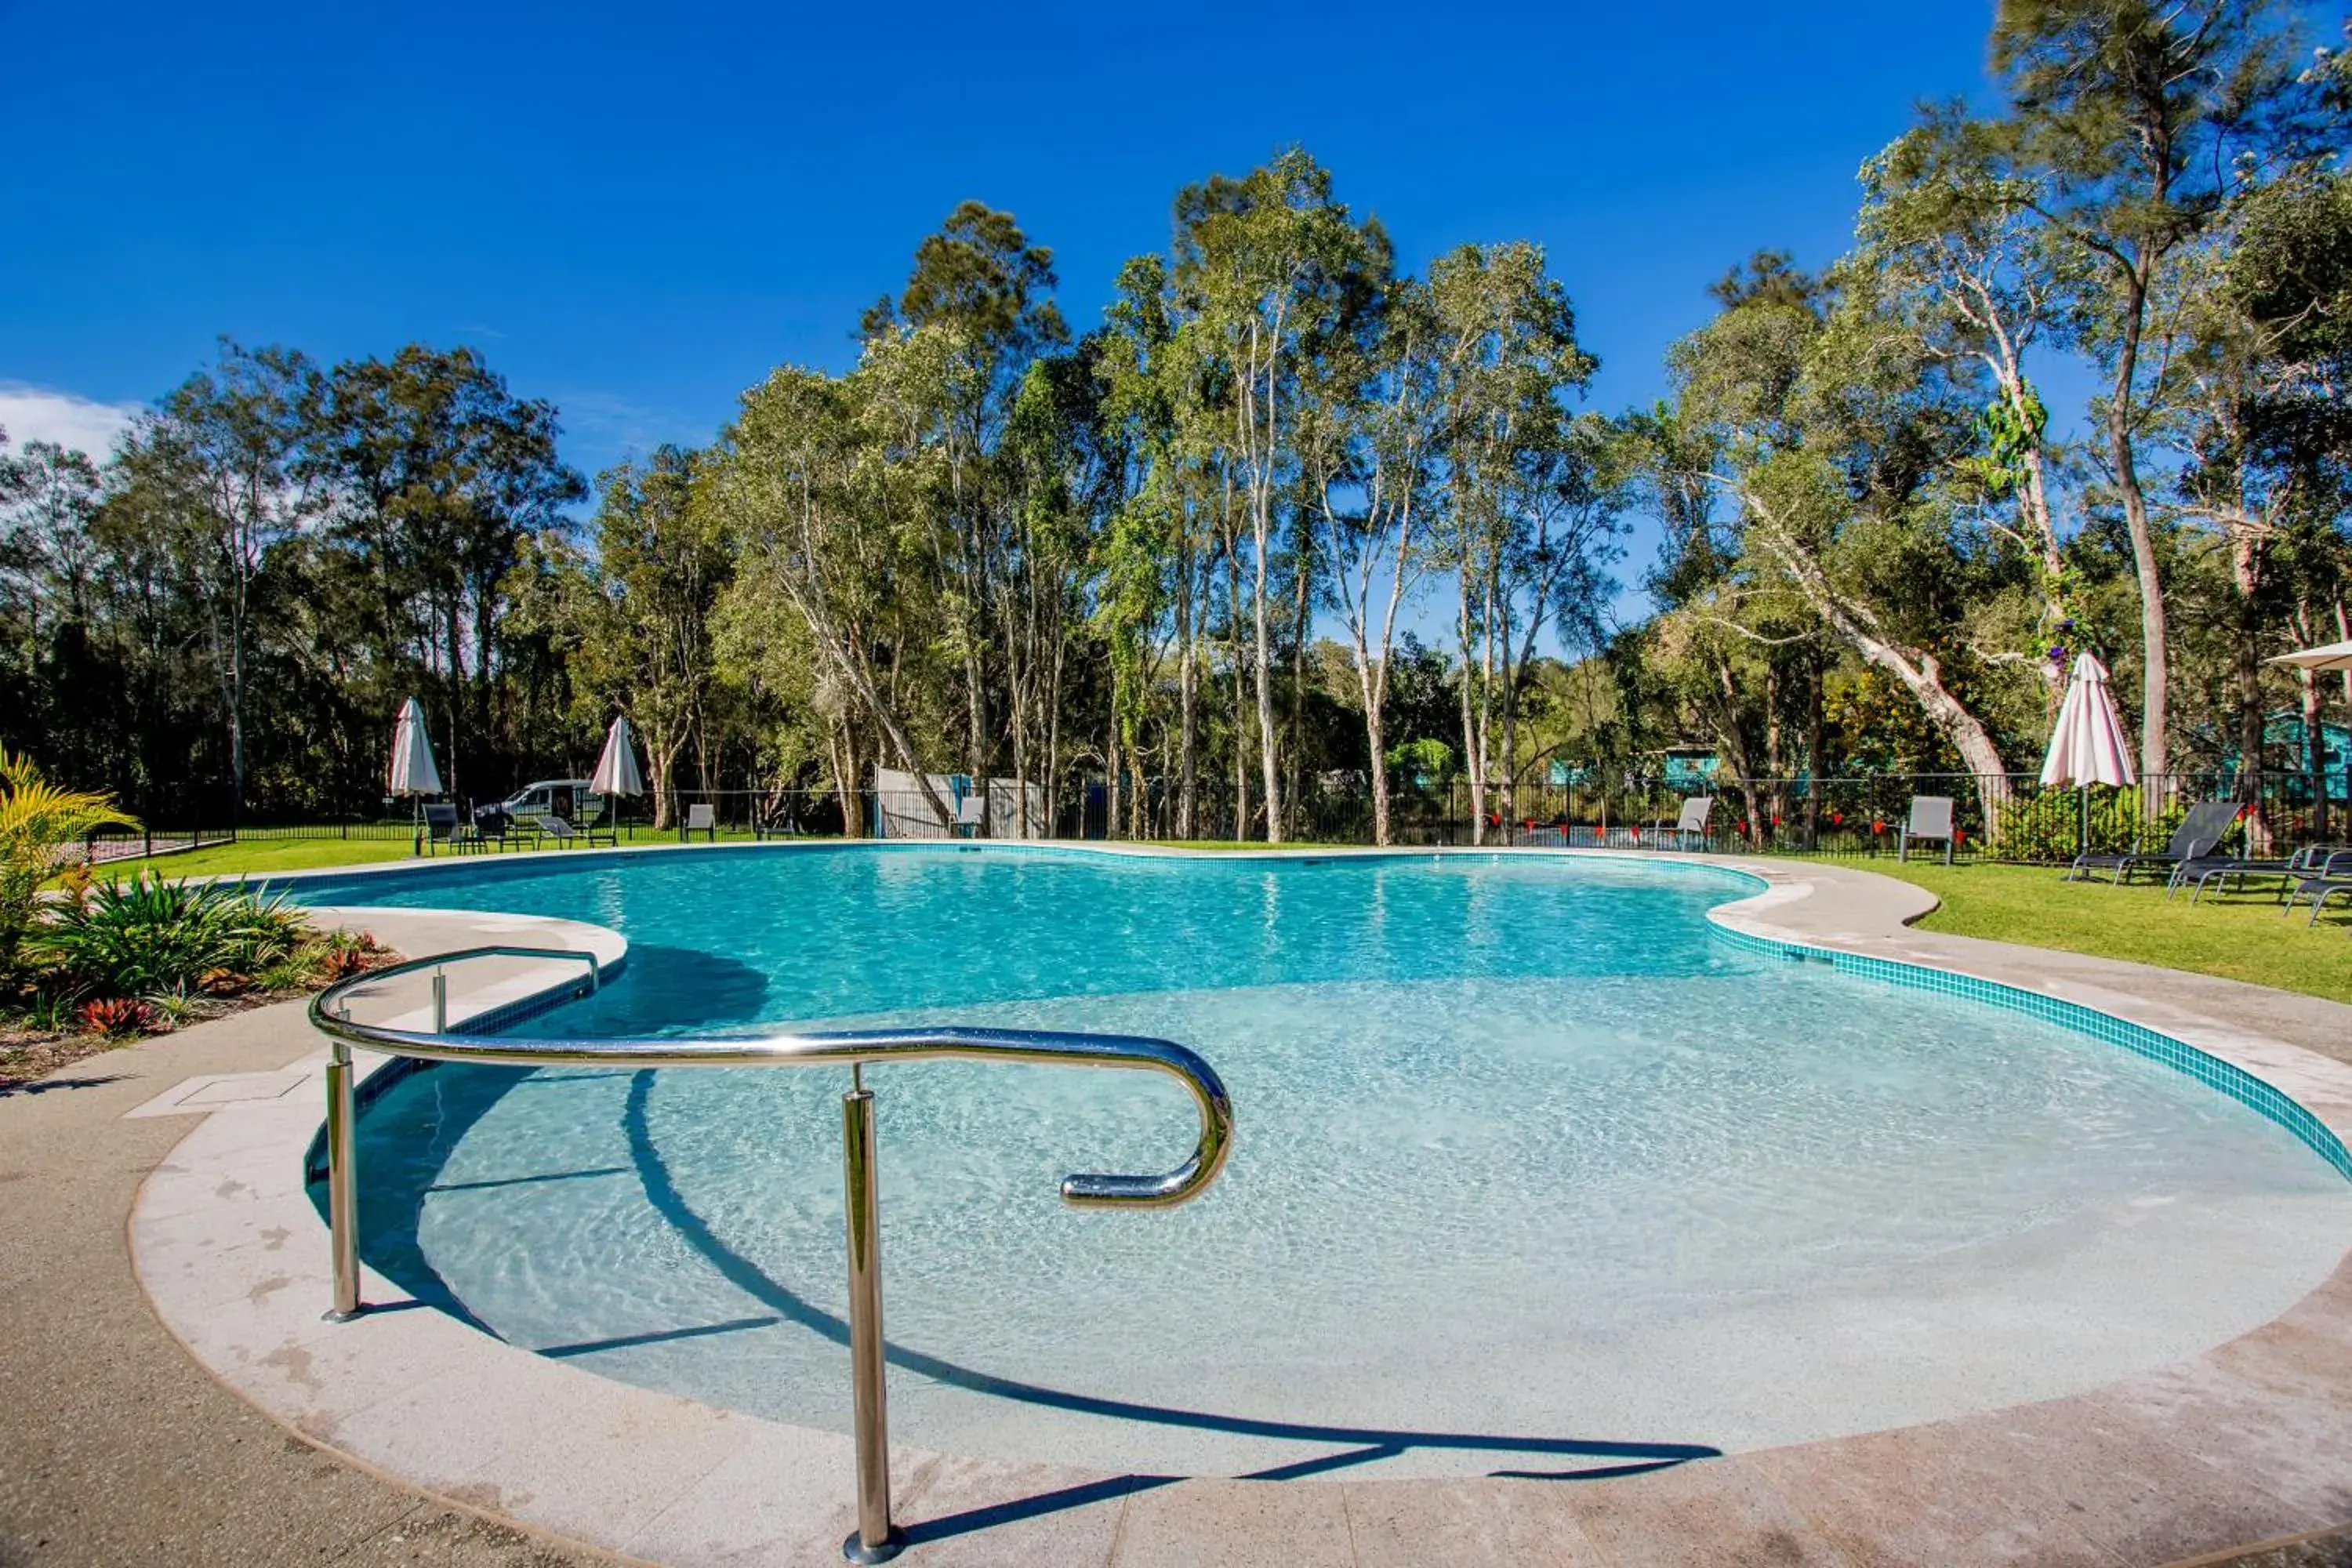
column 875, row 1541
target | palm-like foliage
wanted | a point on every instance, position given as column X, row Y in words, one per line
column 152, row 934
column 39, row 826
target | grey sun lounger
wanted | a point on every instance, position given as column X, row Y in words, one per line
column 1692, row 820
column 1931, row 819
column 2198, row 874
column 2194, row 840
column 2334, row 878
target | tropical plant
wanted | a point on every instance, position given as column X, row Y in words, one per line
column 152, row 934
column 116, row 1015
column 40, row 824
column 175, row 1008
column 343, row 953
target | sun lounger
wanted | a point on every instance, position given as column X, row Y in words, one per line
column 2198, row 874
column 2332, row 880
column 2195, row 838
column 1931, row 819
column 701, row 817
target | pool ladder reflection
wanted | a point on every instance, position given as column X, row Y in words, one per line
column 875, row 1541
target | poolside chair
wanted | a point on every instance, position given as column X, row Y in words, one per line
column 440, row 828
column 1931, row 818
column 701, row 817
column 2332, row 878
column 2195, row 838
column 971, row 815
column 553, row 826
column 2198, row 874
column 601, row 826
column 1696, row 811
column 492, row 827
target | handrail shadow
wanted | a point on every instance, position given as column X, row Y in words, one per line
column 1356, row 1445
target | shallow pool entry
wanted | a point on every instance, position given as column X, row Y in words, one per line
column 1531, row 1176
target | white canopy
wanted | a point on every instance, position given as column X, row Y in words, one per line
column 2334, row 655
column 616, row 771
column 2087, row 747
column 412, row 771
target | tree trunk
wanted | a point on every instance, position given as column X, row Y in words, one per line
column 1268, row 737
column 1814, row 771
column 1241, row 711
column 1372, row 684
column 2155, row 739
column 1473, row 753
column 1188, row 698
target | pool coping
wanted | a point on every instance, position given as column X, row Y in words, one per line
column 2101, row 1475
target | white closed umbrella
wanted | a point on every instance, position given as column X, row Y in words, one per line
column 411, row 772
column 616, row 771
column 2334, row 655
column 2088, row 746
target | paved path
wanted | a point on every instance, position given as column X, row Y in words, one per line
column 115, row 1447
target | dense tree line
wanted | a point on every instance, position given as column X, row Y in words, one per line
column 1293, row 522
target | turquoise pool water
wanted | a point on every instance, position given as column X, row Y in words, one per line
column 1531, row 1175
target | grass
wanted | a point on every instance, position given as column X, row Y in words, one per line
column 259, row 856
column 2240, row 936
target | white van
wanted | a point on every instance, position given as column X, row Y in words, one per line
column 570, row 799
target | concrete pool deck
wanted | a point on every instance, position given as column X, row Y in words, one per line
column 2251, row 1441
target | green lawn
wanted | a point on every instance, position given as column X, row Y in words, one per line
column 2242, row 937
column 259, row 856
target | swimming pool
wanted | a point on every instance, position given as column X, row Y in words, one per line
column 1532, row 1175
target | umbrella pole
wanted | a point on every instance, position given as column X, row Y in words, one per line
column 2083, row 837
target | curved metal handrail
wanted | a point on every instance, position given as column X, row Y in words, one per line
column 875, row 1540
column 854, row 1048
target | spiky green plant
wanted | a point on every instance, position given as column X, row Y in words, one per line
column 150, row 934
column 40, row 824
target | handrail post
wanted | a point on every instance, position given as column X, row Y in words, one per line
column 440, row 1001
column 342, row 1184
column 874, row 1542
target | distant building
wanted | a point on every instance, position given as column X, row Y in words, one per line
column 2288, row 766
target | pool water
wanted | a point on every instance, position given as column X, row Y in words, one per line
column 1532, row 1175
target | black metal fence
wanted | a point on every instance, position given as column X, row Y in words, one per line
column 2005, row 817
column 2011, row 817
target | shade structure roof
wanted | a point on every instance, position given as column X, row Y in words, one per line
column 2330, row 656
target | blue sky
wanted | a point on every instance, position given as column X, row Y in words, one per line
column 637, row 214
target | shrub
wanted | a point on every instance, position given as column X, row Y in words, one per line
column 116, row 1015
column 2049, row 827
column 40, row 828
column 153, row 934
column 342, row 954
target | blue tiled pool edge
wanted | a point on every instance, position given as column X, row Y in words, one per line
column 2211, row 1070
